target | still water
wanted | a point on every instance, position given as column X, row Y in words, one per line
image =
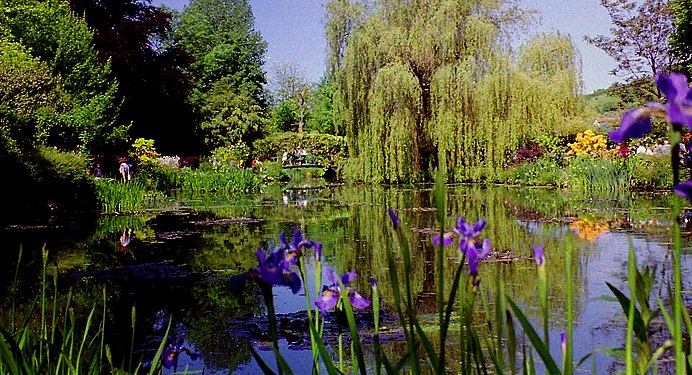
column 173, row 266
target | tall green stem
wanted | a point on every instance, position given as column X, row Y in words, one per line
column 680, row 358
column 269, row 302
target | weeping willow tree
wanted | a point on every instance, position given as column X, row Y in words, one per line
column 423, row 85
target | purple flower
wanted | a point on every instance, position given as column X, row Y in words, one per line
column 318, row 251
column 294, row 250
column 563, row 341
column 331, row 294
column 684, row 189
column 636, row 123
column 172, row 351
column 274, row 269
column 470, row 245
column 679, row 95
column 463, row 230
column 538, row 253
column 394, row 218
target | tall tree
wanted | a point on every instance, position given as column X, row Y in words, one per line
column 228, row 52
column 321, row 100
column 681, row 40
column 221, row 37
column 128, row 33
column 86, row 118
column 422, row 85
column 639, row 41
column 292, row 87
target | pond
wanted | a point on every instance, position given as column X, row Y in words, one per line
column 174, row 266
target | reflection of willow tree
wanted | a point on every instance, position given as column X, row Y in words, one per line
column 428, row 84
column 370, row 231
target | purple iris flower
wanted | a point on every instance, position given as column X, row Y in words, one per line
column 273, row 269
column 318, row 251
column 294, row 250
column 538, row 253
column 563, row 341
column 684, row 189
column 678, row 109
column 462, row 229
column 679, row 95
column 470, row 245
column 331, row 294
column 172, row 351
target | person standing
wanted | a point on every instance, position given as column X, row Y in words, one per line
column 125, row 170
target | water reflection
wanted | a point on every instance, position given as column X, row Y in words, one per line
column 173, row 266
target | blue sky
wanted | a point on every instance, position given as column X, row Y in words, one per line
column 294, row 32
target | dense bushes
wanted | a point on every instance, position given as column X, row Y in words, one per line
column 45, row 185
column 329, row 150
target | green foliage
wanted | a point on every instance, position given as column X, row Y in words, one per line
column 602, row 102
column 117, row 197
column 329, row 150
column 541, row 172
column 270, row 171
column 45, row 184
column 85, row 118
column 238, row 181
column 221, row 37
column 552, row 147
column 64, row 187
column 589, row 174
column 652, row 172
column 320, row 119
column 230, row 116
column 225, row 159
column 681, row 40
column 439, row 74
column 284, row 116
column 31, row 100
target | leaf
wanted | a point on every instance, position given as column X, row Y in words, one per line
column 639, row 328
column 540, row 347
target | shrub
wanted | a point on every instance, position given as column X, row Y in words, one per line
column 652, row 172
column 540, row 172
column 270, row 171
column 586, row 173
column 329, row 150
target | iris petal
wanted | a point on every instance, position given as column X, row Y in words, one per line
column 538, row 253
column 677, row 115
column 348, row 277
column 684, row 189
column 635, row 123
column 327, row 300
column 358, row 301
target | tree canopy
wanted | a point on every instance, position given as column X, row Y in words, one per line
column 132, row 35
column 55, row 91
column 422, row 85
column 228, row 55
column 639, row 41
column 681, row 40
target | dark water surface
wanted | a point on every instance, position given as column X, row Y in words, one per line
column 174, row 266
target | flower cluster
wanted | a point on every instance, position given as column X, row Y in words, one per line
column 275, row 268
column 588, row 143
column 331, row 294
column 636, row 122
column 172, row 351
column 469, row 244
